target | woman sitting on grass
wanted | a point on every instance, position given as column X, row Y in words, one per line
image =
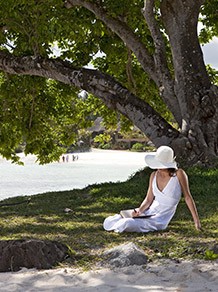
column 166, row 185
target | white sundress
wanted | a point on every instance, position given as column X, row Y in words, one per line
column 163, row 208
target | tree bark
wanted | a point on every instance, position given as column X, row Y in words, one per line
column 198, row 98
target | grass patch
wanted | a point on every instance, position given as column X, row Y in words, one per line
column 43, row 217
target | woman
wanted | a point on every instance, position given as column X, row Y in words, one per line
column 166, row 185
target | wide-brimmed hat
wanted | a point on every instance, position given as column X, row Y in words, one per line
column 161, row 159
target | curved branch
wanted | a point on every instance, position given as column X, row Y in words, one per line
column 105, row 87
column 123, row 31
column 156, row 67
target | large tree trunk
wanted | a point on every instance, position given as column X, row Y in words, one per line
column 198, row 99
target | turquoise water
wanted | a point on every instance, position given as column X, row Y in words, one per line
column 91, row 167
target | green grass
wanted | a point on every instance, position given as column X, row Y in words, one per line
column 44, row 218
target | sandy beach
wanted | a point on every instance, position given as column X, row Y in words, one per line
column 163, row 275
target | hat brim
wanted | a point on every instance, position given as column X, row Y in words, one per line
column 153, row 163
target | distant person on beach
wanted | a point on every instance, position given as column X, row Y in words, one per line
column 166, row 185
column 75, row 157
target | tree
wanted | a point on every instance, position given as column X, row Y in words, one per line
column 151, row 63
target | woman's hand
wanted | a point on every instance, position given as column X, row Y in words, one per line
column 135, row 213
column 198, row 225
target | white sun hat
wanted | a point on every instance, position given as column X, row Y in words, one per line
column 161, row 159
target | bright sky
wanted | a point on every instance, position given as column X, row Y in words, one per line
column 211, row 53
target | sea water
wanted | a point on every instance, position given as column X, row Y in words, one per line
column 94, row 167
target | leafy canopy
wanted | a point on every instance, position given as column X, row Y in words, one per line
column 46, row 115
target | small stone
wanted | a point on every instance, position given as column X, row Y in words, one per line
column 67, row 210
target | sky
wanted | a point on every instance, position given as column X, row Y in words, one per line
column 210, row 52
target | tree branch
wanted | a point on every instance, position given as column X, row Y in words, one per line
column 103, row 86
column 160, row 50
column 161, row 66
column 156, row 67
column 129, row 74
column 187, row 55
column 123, row 31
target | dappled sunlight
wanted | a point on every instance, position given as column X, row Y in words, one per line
column 43, row 217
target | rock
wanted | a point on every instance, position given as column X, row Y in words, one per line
column 125, row 255
column 15, row 254
column 215, row 248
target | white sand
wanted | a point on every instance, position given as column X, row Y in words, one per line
column 165, row 275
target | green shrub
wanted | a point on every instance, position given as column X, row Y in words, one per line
column 138, row 147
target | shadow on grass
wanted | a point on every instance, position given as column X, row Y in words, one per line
column 81, row 229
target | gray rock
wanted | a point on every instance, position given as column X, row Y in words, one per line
column 15, row 254
column 125, row 255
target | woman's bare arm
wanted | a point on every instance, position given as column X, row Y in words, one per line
column 148, row 199
column 183, row 179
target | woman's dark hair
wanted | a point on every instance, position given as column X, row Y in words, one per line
column 172, row 171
